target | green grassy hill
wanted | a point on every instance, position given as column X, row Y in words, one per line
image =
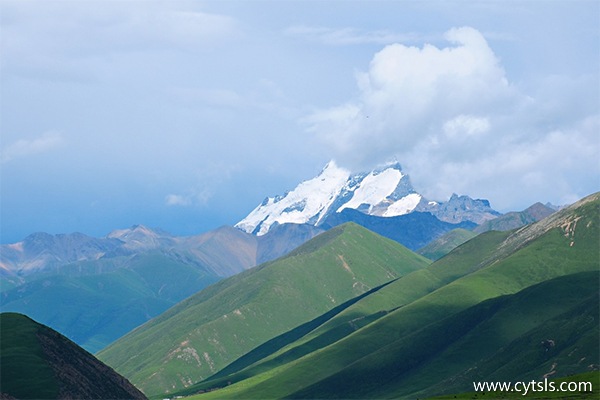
column 405, row 290
column 523, row 336
column 96, row 290
column 446, row 243
column 93, row 310
column 395, row 342
column 516, row 219
column 37, row 362
column 204, row 333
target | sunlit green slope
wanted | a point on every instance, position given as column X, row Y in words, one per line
column 405, row 290
column 204, row 333
column 338, row 361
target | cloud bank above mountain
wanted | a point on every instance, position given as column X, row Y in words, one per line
column 457, row 123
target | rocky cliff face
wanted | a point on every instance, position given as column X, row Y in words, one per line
column 459, row 209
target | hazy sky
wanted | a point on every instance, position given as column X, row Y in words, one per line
column 184, row 115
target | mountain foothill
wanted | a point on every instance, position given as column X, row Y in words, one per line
column 351, row 285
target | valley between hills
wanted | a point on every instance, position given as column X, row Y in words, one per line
column 336, row 309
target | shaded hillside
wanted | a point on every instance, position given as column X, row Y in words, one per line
column 39, row 363
column 413, row 230
column 204, row 333
column 443, row 245
column 483, row 311
column 281, row 239
column 94, row 310
column 546, row 329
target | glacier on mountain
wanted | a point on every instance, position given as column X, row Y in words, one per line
column 382, row 192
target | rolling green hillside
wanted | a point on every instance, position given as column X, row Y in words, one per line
column 545, row 329
column 516, row 219
column 37, row 362
column 441, row 246
column 93, row 310
column 405, row 290
column 204, row 333
column 385, row 355
column 446, row 243
column 96, row 290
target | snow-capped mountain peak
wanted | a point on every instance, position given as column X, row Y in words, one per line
column 305, row 204
column 383, row 192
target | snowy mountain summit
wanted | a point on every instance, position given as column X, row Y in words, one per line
column 385, row 192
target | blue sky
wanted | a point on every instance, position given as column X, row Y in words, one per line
column 184, row 115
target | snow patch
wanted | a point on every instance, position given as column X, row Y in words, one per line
column 16, row 246
column 374, row 189
column 403, row 206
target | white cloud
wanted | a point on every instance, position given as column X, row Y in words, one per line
column 197, row 197
column 23, row 147
column 204, row 185
column 466, row 126
column 177, row 200
column 557, row 166
column 408, row 93
column 456, row 123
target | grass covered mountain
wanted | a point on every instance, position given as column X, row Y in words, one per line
column 515, row 305
column 443, row 245
column 209, row 330
column 93, row 310
column 516, row 219
column 413, row 230
column 37, row 362
column 96, row 290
